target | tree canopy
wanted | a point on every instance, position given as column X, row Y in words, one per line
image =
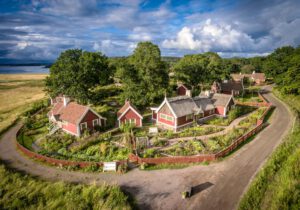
column 75, row 73
column 144, row 75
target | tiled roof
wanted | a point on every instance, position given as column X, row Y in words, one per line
column 71, row 113
column 125, row 107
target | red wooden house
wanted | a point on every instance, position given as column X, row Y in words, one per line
column 183, row 90
column 182, row 111
column 228, row 87
column 129, row 114
column 72, row 117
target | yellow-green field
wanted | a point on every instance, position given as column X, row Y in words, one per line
column 17, row 91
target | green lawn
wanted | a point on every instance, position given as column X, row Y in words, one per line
column 277, row 185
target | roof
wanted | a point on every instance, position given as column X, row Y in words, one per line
column 125, row 108
column 231, row 85
column 237, row 77
column 204, row 102
column 182, row 105
column 185, row 105
column 219, row 99
column 72, row 112
column 260, row 76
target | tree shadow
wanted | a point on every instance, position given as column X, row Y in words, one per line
column 201, row 187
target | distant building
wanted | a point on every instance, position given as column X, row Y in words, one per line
column 183, row 90
column 129, row 114
column 257, row 78
column 228, row 87
column 181, row 111
column 72, row 117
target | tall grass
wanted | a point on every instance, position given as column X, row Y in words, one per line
column 18, row 191
column 277, row 186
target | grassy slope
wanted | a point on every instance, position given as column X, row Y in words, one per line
column 277, row 185
column 18, row 191
column 17, row 91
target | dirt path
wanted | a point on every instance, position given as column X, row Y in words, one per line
column 217, row 186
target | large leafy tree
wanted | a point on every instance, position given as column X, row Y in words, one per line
column 144, row 75
column 200, row 68
column 75, row 73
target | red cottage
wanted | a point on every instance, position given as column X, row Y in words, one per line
column 182, row 111
column 183, row 90
column 72, row 117
column 129, row 114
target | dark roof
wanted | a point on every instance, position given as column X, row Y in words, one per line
column 185, row 105
column 182, row 105
column 230, row 85
column 220, row 99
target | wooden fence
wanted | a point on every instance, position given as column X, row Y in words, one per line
column 58, row 162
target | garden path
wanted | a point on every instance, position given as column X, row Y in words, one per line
column 203, row 137
column 219, row 185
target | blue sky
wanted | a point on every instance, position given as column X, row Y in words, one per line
column 38, row 30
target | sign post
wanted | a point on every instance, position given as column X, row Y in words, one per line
column 109, row 166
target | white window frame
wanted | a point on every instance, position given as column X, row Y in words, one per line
column 166, row 117
column 97, row 122
column 189, row 117
column 81, row 126
column 212, row 111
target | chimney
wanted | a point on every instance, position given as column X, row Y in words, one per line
column 253, row 72
column 66, row 100
column 188, row 93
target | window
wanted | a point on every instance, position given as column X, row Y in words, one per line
column 95, row 122
column 83, row 126
column 189, row 117
column 130, row 121
column 166, row 117
column 212, row 111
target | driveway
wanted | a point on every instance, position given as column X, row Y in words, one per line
column 217, row 186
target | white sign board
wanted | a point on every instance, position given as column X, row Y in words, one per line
column 109, row 166
column 153, row 130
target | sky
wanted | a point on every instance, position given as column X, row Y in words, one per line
column 39, row 30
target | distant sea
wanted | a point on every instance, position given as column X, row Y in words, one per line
column 24, row 70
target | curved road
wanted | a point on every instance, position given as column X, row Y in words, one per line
column 216, row 186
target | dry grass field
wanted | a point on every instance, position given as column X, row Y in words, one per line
column 17, row 91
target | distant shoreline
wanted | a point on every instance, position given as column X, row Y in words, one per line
column 18, row 69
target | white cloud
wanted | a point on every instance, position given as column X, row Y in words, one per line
column 209, row 36
column 140, row 34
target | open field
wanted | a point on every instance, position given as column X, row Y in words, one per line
column 17, row 91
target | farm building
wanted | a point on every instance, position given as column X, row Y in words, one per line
column 228, row 87
column 72, row 117
column 182, row 111
column 129, row 114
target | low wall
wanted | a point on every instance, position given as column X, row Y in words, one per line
column 265, row 102
column 57, row 162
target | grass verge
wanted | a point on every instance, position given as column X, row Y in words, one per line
column 277, row 185
column 19, row 191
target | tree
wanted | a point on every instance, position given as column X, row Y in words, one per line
column 144, row 75
column 200, row 68
column 75, row 73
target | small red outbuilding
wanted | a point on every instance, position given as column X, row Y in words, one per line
column 129, row 114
